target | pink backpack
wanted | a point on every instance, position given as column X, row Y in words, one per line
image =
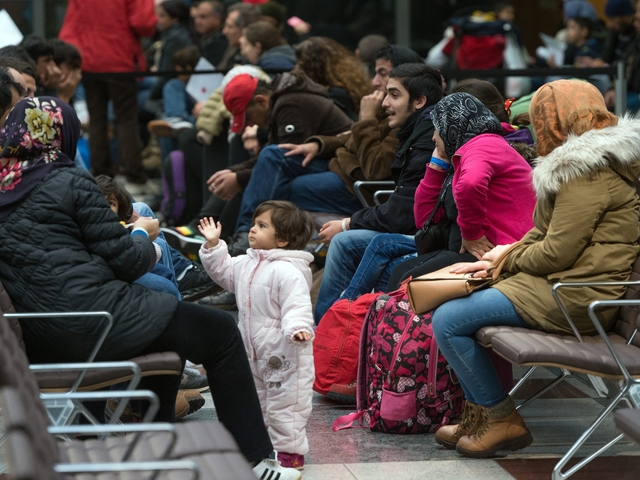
column 399, row 388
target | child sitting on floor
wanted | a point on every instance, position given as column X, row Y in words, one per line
column 272, row 283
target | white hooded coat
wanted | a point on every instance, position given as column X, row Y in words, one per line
column 272, row 293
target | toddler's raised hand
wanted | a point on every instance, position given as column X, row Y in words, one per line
column 210, row 230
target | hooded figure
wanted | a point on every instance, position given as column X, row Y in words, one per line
column 586, row 216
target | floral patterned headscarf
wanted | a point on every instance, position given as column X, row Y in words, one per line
column 40, row 135
column 459, row 117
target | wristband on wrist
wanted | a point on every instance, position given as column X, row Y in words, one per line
column 440, row 163
column 344, row 224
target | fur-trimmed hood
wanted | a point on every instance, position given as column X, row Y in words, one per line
column 616, row 147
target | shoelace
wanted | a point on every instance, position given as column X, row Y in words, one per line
column 484, row 425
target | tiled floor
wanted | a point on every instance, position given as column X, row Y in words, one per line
column 556, row 421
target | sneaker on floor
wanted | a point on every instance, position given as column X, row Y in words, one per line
column 168, row 127
column 291, row 460
column 193, row 399
column 270, row 469
column 196, row 284
column 223, row 300
column 239, row 244
column 193, row 380
column 185, row 234
column 343, row 393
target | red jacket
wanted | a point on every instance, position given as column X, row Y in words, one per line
column 108, row 32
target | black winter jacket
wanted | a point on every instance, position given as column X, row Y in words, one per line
column 64, row 250
column 412, row 156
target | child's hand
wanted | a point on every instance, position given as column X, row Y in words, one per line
column 211, row 231
column 302, row 337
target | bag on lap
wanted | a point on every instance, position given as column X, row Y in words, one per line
column 335, row 346
column 174, row 188
column 404, row 384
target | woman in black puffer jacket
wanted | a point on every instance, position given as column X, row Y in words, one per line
column 63, row 249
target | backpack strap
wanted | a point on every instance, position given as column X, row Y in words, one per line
column 346, row 421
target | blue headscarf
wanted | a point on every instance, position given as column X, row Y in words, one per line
column 40, row 135
column 579, row 9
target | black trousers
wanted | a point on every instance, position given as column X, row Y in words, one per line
column 123, row 93
column 427, row 263
column 210, row 337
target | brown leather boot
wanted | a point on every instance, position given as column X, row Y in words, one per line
column 496, row 432
column 449, row 435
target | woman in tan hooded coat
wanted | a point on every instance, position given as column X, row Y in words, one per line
column 586, row 229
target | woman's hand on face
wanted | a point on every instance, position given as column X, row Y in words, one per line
column 150, row 225
column 477, row 248
column 495, row 253
column 479, row 269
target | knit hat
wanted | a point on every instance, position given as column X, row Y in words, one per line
column 619, row 8
column 580, row 9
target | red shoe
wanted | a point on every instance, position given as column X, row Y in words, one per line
column 291, row 460
column 343, row 393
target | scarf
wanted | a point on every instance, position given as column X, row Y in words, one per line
column 40, row 135
column 567, row 106
column 459, row 117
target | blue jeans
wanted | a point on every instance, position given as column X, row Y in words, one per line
column 276, row 177
column 171, row 258
column 159, row 280
column 176, row 101
column 384, row 253
column 344, row 255
column 454, row 326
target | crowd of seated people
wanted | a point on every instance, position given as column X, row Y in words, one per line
column 301, row 124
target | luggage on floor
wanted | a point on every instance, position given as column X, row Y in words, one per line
column 335, row 346
column 174, row 188
column 404, row 384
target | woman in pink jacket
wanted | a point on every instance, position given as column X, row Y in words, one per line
column 491, row 199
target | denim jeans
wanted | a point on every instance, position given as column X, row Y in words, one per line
column 159, row 280
column 454, row 325
column 385, row 252
column 344, row 255
column 276, row 177
column 176, row 101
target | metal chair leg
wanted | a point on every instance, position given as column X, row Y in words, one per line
column 557, row 471
column 564, row 374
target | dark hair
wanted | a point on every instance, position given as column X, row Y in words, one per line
column 265, row 33
column 247, row 13
column 186, row 57
column 36, row 46
column 369, row 46
column 398, row 54
column 486, row 92
column 217, row 8
column 499, row 6
column 419, row 79
column 64, row 52
column 110, row 188
column 292, row 224
column 584, row 23
column 6, row 96
column 176, row 9
column 7, row 79
column 14, row 51
column 19, row 65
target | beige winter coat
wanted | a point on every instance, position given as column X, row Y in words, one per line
column 586, row 228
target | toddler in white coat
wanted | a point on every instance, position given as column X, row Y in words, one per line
column 272, row 283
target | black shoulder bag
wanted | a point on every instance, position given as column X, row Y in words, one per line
column 435, row 237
